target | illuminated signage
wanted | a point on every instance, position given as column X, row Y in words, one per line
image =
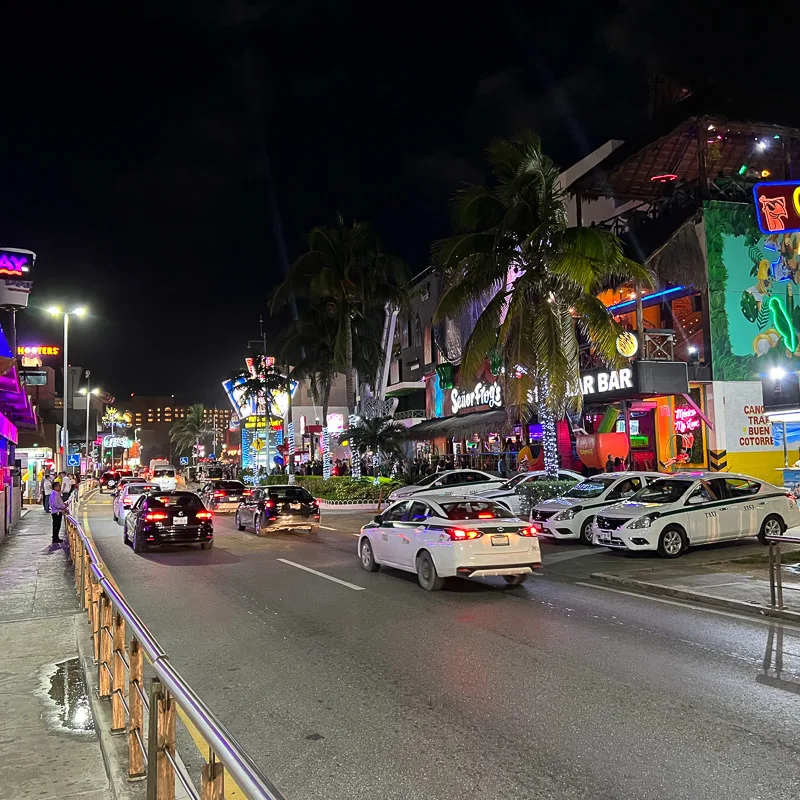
column 627, row 344
column 38, row 350
column 335, row 423
column 778, row 206
column 116, row 441
column 257, row 422
column 603, row 381
column 484, row 394
column 16, row 263
column 687, row 419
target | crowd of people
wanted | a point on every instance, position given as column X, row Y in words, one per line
column 55, row 491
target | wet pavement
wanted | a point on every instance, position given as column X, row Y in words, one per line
column 48, row 748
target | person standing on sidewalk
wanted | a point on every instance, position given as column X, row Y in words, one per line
column 66, row 486
column 47, row 487
column 57, row 509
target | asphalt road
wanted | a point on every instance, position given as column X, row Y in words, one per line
column 373, row 688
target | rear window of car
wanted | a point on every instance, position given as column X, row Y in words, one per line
column 291, row 493
column 141, row 488
column 163, row 472
column 231, row 486
column 179, row 500
column 475, row 509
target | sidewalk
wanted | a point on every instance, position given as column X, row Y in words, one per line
column 48, row 748
column 740, row 584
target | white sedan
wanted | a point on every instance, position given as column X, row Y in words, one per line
column 451, row 481
column 691, row 508
column 508, row 494
column 127, row 496
column 440, row 537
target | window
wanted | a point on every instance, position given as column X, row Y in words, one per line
column 740, row 487
column 594, row 487
column 427, row 345
column 419, row 512
column 404, row 333
column 475, row 509
column 296, row 493
column 626, row 488
column 416, row 339
column 475, row 477
column 395, row 513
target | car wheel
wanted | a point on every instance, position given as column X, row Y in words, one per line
column 671, row 543
column 116, row 518
column 427, row 576
column 515, row 580
column 772, row 526
column 368, row 561
column 125, row 538
column 139, row 546
column 585, row 536
column 238, row 522
column 207, row 545
column 257, row 524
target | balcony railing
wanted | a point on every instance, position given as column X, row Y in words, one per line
column 659, row 345
column 415, row 413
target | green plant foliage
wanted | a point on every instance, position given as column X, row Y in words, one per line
column 534, row 492
column 342, row 488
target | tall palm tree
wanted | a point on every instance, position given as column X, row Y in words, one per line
column 191, row 430
column 537, row 280
column 379, row 436
column 345, row 268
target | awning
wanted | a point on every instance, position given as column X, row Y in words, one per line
column 481, row 422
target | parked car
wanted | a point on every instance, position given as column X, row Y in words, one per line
column 278, row 508
column 571, row 516
column 224, row 496
column 691, row 508
column 438, row 537
column 508, row 493
column 125, row 497
column 452, row 481
column 159, row 518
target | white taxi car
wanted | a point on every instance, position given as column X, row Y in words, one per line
column 508, row 493
column 127, row 496
column 691, row 508
column 571, row 516
column 440, row 537
column 450, row 481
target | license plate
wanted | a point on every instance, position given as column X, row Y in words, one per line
column 295, row 506
column 180, row 521
column 603, row 537
column 499, row 540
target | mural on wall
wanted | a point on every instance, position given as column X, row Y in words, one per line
column 754, row 291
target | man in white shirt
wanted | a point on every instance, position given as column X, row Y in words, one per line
column 47, row 487
column 66, row 486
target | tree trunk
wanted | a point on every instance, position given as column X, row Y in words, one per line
column 349, row 372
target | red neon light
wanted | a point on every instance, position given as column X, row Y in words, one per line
column 774, row 212
column 686, row 419
column 667, row 177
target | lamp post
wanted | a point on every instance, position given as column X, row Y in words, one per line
column 78, row 312
column 87, row 391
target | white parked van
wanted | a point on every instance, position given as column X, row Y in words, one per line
column 158, row 462
column 164, row 477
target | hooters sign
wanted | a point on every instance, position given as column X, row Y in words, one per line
column 778, row 206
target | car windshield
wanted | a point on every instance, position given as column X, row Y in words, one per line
column 591, row 488
column 428, row 479
column 160, row 472
column 182, row 499
column 666, row 490
column 231, row 486
column 475, row 509
column 290, row 493
column 516, row 480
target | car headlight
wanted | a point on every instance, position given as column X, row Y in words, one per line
column 567, row 513
column 644, row 522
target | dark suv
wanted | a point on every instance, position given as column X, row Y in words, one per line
column 168, row 518
column 278, row 507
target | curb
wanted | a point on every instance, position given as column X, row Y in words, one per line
column 658, row 589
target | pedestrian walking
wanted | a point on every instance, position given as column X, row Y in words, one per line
column 46, row 488
column 57, row 508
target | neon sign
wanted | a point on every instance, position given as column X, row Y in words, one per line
column 38, row 350
column 117, row 441
column 777, row 206
column 686, row 419
column 14, row 262
column 484, row 394
column 782, row 322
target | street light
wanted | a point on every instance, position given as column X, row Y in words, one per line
column 78, row 312
column 87, row 391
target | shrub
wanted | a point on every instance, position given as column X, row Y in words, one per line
column 342, row 488
column 534, row 492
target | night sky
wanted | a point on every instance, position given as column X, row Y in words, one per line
column 137, row 149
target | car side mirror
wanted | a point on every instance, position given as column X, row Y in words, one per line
column 377, row 519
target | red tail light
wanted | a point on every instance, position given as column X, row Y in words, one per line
column 528, row 531
column 269, row 504
column 318, row 502
column 246, row 493
column 461, row 535
column 155, row 515
column 791, row 496
column 485, row 515
column 204, row 515
column 127, row 501
column 219, row 493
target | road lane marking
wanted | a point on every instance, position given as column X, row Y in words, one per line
column 326, row 528
column 719, row 612
column 322, row 575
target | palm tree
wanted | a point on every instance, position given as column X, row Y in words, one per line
column 379, row 436
column 190, row 430
column 345, row 269
column 537, row 281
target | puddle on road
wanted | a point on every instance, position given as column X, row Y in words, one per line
column 65, row 693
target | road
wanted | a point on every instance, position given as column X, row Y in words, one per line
column 373, row 688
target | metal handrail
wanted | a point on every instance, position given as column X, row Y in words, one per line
column 775, row 567
column 223, row 744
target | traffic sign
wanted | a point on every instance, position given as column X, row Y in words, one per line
column 184, row 460
column 258, row 444
column 73, row 460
